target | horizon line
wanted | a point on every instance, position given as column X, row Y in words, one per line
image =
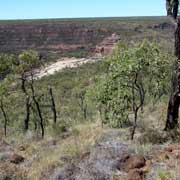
column 64, row 18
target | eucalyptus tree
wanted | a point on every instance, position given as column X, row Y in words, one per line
column 28, row 60
column 135, row 75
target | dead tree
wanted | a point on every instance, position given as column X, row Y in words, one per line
column 53, row 105
column 28, row 103
column 28, row 107
column 174, row 101
column 36, row 102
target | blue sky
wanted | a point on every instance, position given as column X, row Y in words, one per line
column 38, row 9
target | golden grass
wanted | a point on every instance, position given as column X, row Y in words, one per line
column 46, row 158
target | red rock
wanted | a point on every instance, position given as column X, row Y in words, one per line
column 135, row 174
column 134, row 162
column 16, row 159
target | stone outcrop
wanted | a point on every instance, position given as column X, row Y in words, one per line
column 52, row 36
column 134, row 162
column 107, row 45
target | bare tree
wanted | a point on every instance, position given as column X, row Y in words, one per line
column 53, row 105
column 36, row 101
column 23, row 79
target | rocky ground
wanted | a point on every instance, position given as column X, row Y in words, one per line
column 111, row 157
column 117, row 160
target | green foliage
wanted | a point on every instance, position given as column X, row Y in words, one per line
column 152, row 136
column 6, row 64
column 135, row 75
column 68, row 88
column 82, row 92
column 27, row 60
column 162, row 175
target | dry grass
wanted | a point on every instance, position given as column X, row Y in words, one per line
column 170, row 172
column 44, row 159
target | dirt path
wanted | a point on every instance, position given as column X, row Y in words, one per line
column 62, row 64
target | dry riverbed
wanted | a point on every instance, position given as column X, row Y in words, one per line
column 62, row 64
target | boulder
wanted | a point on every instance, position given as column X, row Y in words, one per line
column 134, row 162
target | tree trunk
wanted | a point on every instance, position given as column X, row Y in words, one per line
column 26, row 120
column 53, row 106
column 135, row 124
column 175, row 8
column 23, row 84
column 168, row 7
column 174, row 102
column 83, row 106
column 38, row 108
column 85, row 111
column 40, row 116
column 28, row 104
column 5, row 117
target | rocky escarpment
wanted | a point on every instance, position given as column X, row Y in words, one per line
column 107, row 45
column 49, row 36
column 82, row 35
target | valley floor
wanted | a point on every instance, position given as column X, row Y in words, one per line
column 62, row 64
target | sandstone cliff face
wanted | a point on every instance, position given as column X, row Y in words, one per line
column 96, row 36
column 51, row 37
